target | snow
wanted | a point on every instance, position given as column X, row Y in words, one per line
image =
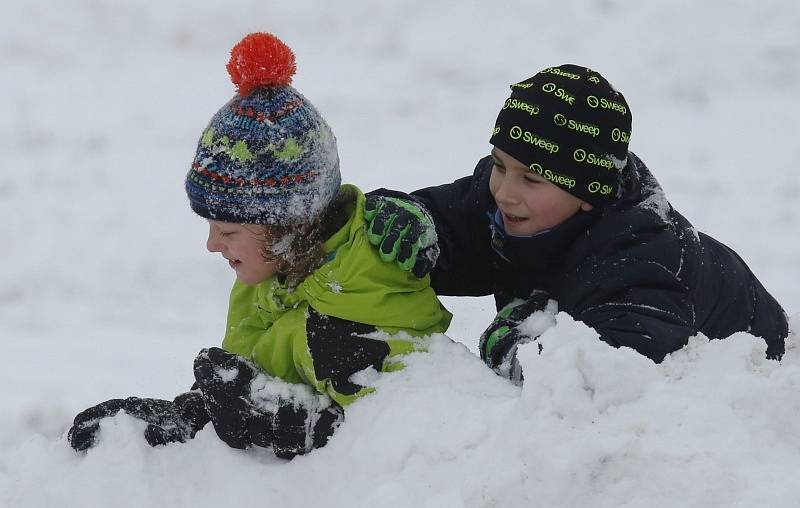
column 540, row 321
column 106, row 289
column 714, row 425
column 227, row 375
column 265, row 391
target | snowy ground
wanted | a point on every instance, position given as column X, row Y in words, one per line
column 106, row 289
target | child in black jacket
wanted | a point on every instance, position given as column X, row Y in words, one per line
column 562, row 211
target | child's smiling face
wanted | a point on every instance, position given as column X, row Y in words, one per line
column 528, row 202
column 243, row 245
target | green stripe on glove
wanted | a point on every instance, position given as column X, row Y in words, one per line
column 403, row 231
column 499, row 342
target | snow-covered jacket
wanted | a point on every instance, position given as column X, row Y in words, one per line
column 634, row 270
column 353, row 312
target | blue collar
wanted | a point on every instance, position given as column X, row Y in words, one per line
column 497, row 221
column 542, row 248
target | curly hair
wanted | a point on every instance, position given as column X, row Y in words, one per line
column 299, row 249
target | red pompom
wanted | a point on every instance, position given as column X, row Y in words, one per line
column 260, row 59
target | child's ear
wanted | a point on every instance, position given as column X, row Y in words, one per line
column 586, row 207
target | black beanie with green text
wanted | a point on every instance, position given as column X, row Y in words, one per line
column 569, row 125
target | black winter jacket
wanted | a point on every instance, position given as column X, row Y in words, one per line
column 635, row 270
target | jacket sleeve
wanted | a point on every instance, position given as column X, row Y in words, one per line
column 459, row 211
column 305, row 346
column 636, row 303
column 337, row 349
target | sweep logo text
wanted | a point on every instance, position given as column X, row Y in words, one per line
column 596, row 187
column 516, row 132
column 531, row 109
column 584, row 128
column 580, row 155
column 604, row 103
column 552, row 176
column 559, row 92
column 620, row 135
column 558, row 72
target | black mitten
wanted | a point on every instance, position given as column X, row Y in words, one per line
column 224, row 380
column 82, row 434
column 167, row 421
column 296, row 430
column 248, row 407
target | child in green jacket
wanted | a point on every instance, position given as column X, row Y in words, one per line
column 313, row 304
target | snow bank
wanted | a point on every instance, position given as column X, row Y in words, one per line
column 714, row 425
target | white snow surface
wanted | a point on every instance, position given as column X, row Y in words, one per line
column 106, row 289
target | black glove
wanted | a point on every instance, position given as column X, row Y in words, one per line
column 499, row 342
column 403, row 231
column 248, row 407
column 167, row 421
column 297, row 429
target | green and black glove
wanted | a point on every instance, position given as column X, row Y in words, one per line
column 498, row 344
column 403, row 231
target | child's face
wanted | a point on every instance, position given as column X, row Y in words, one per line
column 243, row 245
column 529, row 203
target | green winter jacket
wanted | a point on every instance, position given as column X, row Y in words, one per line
column 316, row 333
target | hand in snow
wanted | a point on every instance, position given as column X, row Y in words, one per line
column 249, row 407
column 167, row 421
column 499, row 342
column 403, row 231
column 298, row 429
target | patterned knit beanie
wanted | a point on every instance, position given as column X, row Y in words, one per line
column 268, row 156
column 570, row 126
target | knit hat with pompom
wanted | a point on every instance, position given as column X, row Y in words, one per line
column 267, row 156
